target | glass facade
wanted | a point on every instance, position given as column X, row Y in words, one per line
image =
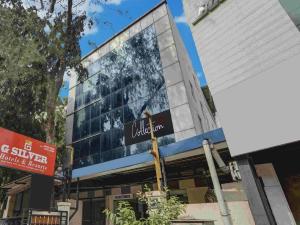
column 121, row 86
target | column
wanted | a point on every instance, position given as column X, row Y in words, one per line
column 257, row 199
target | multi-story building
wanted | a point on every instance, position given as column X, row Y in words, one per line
column 145, row 67
column 250, row 52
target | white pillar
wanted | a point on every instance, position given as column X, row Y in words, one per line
column 217, row 187
column 65, row 207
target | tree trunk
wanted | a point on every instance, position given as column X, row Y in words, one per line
column 53, row 86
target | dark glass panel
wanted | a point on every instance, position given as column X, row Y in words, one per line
column 95, row 125
column 95, row 110
column 105, row 122
column 116, row 82
column 106, row 106
column 85, row 148
column 79, row 89
column 118, row 153
column 117, row 118
column 77, row 147
column 106, row 156
column 159, row 102
column 95, row 145
column 93, row 68
column 117, row 138
column 95, row 86
column 78, row 101
column 139, row 148
column 79, row 120
column 116, row 99
column 135, row 110
column 104, row 85
column 87, row 112
column 128, row 114
column 85, row 129
column 96, row 158
column 165, row 140
column 105, row 141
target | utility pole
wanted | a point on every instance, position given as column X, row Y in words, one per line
column 217, row 187
column 155, row 153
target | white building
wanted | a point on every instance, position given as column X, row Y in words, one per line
column 250, row 52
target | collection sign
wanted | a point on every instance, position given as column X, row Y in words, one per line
column 24, row 153
column 139, row 130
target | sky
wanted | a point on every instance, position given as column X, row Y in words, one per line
column 117, row 14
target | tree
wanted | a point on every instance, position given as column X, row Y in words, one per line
column 161, row 211
column 55, row 38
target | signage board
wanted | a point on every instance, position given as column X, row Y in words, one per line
column 24, row 153
column 139, row 130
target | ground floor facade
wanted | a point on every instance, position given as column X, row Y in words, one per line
column 187, row 178
column 273, row 184
column 268, row 192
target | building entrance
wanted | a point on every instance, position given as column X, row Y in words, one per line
column 93, row 212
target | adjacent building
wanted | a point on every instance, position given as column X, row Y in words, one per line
column 250, row 52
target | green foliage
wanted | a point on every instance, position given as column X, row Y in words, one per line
column 160, row 211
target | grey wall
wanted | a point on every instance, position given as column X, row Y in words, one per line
column 202, row 116
column 250, row 51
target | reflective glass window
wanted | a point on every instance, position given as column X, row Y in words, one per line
column 117, row 99
column 105, row 122
column 117, row 118
column 104, row 85
column 106, row 106
column 121, row 86
column 95, row 145
column 95, row 125
column 84, row 148
column 105, row 141
column 117, row 138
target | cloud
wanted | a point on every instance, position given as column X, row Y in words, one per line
column 114, row 2
column 180, row 19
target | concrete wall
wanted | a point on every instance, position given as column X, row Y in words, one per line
column 201, row 114
column 250, row 51
column 77, row 219
column 240, row 212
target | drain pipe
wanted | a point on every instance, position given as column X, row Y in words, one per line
column 217, row 187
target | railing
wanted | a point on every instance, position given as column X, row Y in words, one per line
column 31, row 217
column 47, row 218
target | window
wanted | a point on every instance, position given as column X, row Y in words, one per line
column 121, row 85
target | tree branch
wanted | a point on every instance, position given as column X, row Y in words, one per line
column 52, row 5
